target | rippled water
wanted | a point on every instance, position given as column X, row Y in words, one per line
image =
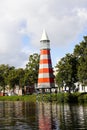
column 42, row 116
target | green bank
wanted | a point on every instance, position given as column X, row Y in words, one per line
column 30, row 98
column 59, row 98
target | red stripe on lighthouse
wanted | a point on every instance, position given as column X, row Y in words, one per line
column 44, row 52
column 46, row 70
column 45, row 80
column 45, row 61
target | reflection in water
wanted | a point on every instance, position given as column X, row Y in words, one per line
column 47, row 121
column 17, row 115
column 62, row 117
column 42, row 116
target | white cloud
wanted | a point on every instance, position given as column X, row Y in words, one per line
column 63, row 20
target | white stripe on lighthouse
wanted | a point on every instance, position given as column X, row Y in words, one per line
column 45, row 57
column 45, row 66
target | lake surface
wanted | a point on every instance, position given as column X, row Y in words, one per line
column 20, row 115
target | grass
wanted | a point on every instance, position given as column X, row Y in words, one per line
column 30, row 98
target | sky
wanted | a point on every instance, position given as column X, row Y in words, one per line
column 22, row 23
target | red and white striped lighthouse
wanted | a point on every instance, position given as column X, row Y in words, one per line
column 45, row 75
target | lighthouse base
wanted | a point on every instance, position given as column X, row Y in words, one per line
column 46, row 85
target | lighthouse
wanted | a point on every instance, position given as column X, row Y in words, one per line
column 45, row 74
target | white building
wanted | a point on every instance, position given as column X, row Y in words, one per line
column 80, row 87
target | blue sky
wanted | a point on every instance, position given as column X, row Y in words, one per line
column 22, row 23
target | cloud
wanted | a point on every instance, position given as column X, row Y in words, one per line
column 63, row 20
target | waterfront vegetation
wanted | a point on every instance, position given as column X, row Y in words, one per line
column 58, row 98
column 64, row 97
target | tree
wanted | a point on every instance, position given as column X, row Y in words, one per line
column 20, row 77
column 31, row 70
column 28, row 76
column 2, row 82
column 12, row 78
column 4, row 71
column 67, row 72
column 80, row 52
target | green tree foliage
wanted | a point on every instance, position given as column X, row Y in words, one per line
column 31, row 70
column 20, row 73
column 67, row 72
column 16, row 77
column 73, row 67
column 80, row 52
column 2, row 83
column 4, row 71
column 11, row 76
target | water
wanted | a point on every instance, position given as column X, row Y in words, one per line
column 42, row 116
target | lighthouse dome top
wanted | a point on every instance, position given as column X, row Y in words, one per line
column 44, row 36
